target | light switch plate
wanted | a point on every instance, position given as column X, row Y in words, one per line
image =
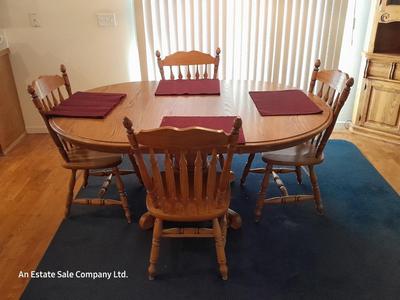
column 34, row 20
column 106, row 19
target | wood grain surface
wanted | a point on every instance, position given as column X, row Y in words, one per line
column 146, row 111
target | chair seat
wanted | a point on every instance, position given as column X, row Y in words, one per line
column 300, row 155
column 189, row 211
column 80, row 158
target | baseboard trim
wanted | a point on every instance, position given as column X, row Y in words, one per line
column 370, row 133
column 341, row 125
column 36, row 129
column 15, row 143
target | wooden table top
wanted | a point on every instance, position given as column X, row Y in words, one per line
column 146, row 111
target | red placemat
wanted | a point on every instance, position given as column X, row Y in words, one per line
column 188, row 87
column 216, row 122
column 87, row 105
column 281, row 103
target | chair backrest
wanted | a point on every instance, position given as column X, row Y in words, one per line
column 190, row 161
column 48, row 92
column 333, row 86
column 198, row 64
column 327, row 83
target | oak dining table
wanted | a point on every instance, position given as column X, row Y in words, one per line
column 262, row 133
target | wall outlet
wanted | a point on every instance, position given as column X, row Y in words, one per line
column 106, row 20
column 34, row 20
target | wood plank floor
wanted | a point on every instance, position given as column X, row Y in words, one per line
column 33, row 192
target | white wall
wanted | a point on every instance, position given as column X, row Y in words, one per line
column 354, row 42
column 69, row 34
column 96, row 56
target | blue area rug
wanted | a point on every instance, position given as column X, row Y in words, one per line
column 352, row 252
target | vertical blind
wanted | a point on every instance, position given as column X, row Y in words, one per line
column 263, row 40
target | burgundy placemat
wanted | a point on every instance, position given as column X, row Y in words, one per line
column 216, row 122
column 281, row 103
column 87, row 105
column 188, row 87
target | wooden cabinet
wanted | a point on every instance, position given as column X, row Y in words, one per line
column 389, row 11
column 381, row 106
column 12, row 126
column 378, row 109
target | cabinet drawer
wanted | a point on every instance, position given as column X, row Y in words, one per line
column 379, row 69
column 396, row 74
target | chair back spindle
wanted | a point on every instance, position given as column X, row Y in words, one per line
column 196, row 63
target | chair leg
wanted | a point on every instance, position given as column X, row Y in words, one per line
column 317, row 194
column 85, row 178
column 221, row 159
column 122, row 194
column 220, row 249
column 247, row 168
column 136, row 168
column 261, row 194
column 70, row 195
column 298, row 175
column 223, row 222
column 155, row 247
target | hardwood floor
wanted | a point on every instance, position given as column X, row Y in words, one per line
column 384, row 156
column 34, row 187
column 33, row 193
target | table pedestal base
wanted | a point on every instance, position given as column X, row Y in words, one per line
column 146, row 221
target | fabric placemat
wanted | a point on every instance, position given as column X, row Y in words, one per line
column 87, row 105
column 214, row 122
column 285, row 102
column 188, row 87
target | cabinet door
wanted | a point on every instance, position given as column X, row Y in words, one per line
column 381, row 106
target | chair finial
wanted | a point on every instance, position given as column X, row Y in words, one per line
column 238, row 123
column 63, row 69
column 317, row 63
column 158, row 54
column 350, row 82
column 35, row 99
column 128, row 124
column 31, row 90
column 218, row 51
column 236, row 127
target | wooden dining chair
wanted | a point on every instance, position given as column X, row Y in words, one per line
column 48, row 92
column 190, row 59
column 333, row 86
column 195, row 61
column 189, row 189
